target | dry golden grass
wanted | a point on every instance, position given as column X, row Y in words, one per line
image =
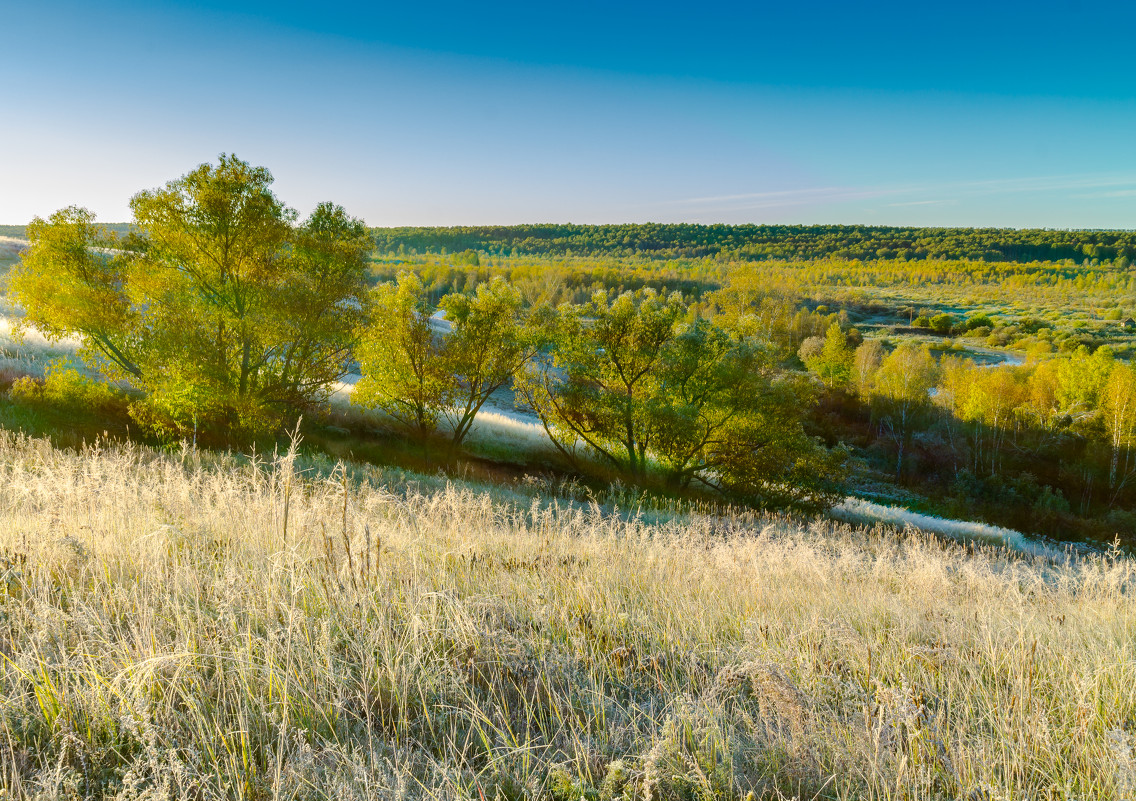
column 194, row 626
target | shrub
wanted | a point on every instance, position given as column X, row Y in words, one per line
column 810, row 349
column 978, row 321
column 64, row 386
column 942, row 323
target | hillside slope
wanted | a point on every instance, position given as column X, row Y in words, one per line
column 187, row 625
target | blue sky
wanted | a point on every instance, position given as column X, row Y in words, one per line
column 999, row 114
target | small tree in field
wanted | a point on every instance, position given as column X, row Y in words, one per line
column 900, row 393
column 833, row 361
column 221, row 309
column 420, row 375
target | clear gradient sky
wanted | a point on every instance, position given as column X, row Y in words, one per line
column 442, row 113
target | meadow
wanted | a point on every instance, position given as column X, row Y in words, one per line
column 1040, row 439
column 196, row 625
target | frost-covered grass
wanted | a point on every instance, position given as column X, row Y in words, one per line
column 497, row 431
column 857, row 510
column 197, row 626
column 30, row 354
column 11, row 247
column 510, row 432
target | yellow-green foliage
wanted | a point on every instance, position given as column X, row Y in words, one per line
column 230, row 312
column 194, row 626
column 67, row 388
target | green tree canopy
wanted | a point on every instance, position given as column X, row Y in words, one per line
column 491, row 338
column 420, row 374
column 634, row 383
column 221, row 308
column 603, row 383
column 832, row 362
column 405, row 374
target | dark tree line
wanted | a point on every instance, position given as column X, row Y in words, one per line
column 758, row 242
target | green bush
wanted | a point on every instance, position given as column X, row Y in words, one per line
column 1031, row 325
column 942, row 323
column 64, row 386
column 976, row 321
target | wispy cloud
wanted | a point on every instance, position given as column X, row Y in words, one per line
column 943, row 193
column 1116, row 193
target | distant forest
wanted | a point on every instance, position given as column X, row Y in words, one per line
column 750, row 242
column 759, row 242
column 20, row 231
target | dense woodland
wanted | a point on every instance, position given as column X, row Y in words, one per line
column 21, row 231
column 759, row 242
column 1008, row 364
column 750, row 242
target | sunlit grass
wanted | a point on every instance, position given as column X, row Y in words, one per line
column 197, row 626
column 31, row 353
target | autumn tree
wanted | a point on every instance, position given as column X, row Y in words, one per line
column 1118, row 409
column 990, row 401
column 222, row 309
column 832, row 362
column 423, row 370
column 1081, row 379
column 900, row 394
column 865, row 362
column 634, row 383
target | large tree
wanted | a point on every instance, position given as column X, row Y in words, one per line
column 223, row 310
column 634, row 383
column 601, row 387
